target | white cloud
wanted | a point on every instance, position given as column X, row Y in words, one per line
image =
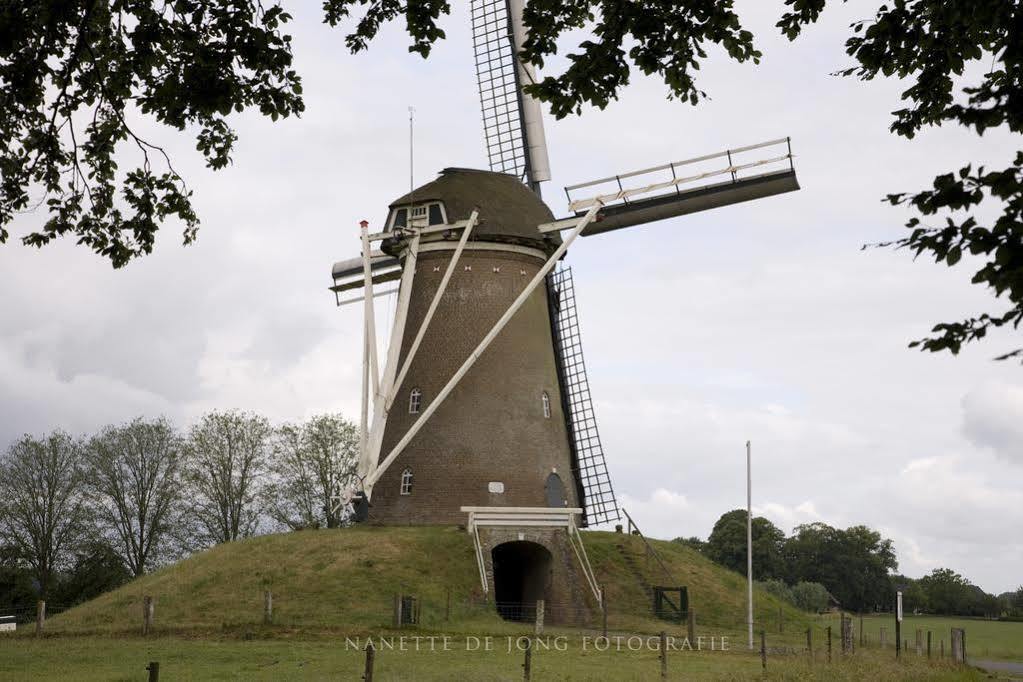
column 659, row 513
column 993, row 418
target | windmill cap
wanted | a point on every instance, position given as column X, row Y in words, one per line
column 509, row 211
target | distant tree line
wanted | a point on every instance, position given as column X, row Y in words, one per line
column 81, row 515
column 945, row 592
column 853, row 568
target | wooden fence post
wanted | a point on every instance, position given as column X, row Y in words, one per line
column 919, row 641
column 268, row 607
column 147, row 614
column 664, row 655
column 928, row 644
column 809, row 642
column 862, row 636
column 763, row 650
column 539, row 617
column 154, row 671
column 829, row 644
column 367, row 674
column 40, row 615
column 527, row 664
column 883, row 637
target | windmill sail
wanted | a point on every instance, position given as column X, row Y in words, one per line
column 512, row 121
column 595, row 493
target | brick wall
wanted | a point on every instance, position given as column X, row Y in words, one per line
column 491, row 428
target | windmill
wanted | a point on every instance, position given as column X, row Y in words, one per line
column 481, row 405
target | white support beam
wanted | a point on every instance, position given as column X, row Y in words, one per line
column 559, row 225
column 373, row 477
column 360, row 299
column 371, row 334
column 380, row 406
column 432, row 309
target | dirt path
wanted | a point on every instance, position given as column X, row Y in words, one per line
column 1013, row 669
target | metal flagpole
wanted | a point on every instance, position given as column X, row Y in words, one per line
column 749, row 544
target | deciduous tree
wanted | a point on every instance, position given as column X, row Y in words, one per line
column 134, row 479
column 225, row 455
column 311, row 463
column 42, row 510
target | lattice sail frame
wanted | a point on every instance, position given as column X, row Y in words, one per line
column 499, row 86
column 591, row 474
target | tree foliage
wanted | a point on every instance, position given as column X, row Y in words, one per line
column 226, row 456
column 727, row 545
column 134, row 480
column 311, row 463
column 936, row 45
column 945, row 592
column 853, row 564
column 76, row 77
column 810, row 596
column 42, row 512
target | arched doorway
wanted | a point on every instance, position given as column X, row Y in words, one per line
column 555, row 491
column 522, row 573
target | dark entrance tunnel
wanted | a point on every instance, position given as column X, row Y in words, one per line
column 521, row 576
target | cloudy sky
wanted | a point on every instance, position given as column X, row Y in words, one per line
column 763, row 321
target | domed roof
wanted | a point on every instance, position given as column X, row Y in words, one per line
column 509, row 211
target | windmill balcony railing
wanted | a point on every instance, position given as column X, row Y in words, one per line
column 739, row 164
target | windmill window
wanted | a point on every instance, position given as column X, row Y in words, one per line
column 423, row 215
column 406, row 482
column 546, row 405
column 436, row 217
column 415, row 401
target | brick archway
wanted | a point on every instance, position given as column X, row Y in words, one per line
column 522, row 575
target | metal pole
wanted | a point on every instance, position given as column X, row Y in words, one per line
column 483, row 345
column 898, row 624
column 749, row 542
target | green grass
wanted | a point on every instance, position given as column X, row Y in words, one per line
column 331, row 584
column 985, row 639
column 343, row 581
column 94, row 658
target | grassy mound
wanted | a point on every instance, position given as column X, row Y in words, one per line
column 341, row 581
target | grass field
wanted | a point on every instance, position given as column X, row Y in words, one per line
column 90, row 658
column 329, row 585
column 343, row 581
column 985, row 639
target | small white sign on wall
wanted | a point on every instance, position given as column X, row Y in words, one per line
column 496, row 487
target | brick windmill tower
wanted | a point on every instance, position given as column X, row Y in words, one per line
column 480, row 413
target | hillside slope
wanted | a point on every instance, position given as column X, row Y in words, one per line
column 344, row 581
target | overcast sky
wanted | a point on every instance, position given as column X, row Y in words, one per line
column 761, row 321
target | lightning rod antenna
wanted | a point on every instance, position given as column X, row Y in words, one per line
column 411, row 149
